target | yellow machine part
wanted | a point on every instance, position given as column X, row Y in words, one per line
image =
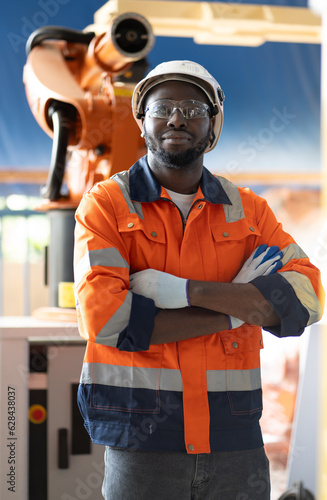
column 219, row 23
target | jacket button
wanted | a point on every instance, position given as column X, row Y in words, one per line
column 130, row 224
column 200, row 206
column 225, row 235
column 153, row 233
column 252, row 229
column 235, row 345
column 191, row 447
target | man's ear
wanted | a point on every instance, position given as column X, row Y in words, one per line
column 211, row 125
column 142, row 121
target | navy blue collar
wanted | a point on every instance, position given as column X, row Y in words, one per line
column 145, row 188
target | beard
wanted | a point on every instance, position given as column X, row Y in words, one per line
column 180, row 158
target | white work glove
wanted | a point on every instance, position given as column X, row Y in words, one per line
column 167, row 291
column 263, row 261
column 234, row 322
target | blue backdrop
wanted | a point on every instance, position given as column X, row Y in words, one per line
column 272, row 105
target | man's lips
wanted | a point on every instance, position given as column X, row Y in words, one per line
column 176, row 136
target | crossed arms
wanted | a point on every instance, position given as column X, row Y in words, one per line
column 284, row 302
column 195, row 308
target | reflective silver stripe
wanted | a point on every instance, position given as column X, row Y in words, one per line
column 292, row 251
column 122, row 180
column 106, row 257
column 233, row 380
column 167, row 379
column 120, row 376
column 81, row 268
column 235, row 211
column 301, row 284
column 109, row 334
column 305, row 293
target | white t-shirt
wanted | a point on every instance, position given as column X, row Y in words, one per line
column 183, row 201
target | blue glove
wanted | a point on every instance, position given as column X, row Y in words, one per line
column 263, row 261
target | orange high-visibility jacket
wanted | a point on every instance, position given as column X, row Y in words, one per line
column 197, row 395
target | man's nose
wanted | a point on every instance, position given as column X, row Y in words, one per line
column 176, row 119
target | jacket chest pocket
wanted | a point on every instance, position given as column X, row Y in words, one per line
column 145, row 241
column 233, row 243
column 243, row 379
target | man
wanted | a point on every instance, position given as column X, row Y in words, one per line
column 175, row 273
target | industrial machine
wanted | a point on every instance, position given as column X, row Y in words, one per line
column 46, row 453
column 79, row 86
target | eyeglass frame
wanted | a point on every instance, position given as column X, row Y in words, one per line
column 179, row 108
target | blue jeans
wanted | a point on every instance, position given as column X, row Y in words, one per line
column 155, row 475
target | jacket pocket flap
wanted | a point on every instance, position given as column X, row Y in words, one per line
column 240, row 342
column 153, row 230
column 235, row 230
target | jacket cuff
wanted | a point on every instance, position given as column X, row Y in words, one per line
column 137, row 334
column 282, row 297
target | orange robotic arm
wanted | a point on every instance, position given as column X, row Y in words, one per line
column 73, row 89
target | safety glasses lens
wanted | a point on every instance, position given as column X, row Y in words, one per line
column 165, row 108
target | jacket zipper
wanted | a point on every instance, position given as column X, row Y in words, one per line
column 180, row 212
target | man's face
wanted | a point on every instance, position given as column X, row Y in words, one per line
column 177, row 141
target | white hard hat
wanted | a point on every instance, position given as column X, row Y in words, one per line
column 185, row 71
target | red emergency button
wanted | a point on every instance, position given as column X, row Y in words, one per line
column 37, row 414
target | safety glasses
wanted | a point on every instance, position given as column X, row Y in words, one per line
column 165, row 108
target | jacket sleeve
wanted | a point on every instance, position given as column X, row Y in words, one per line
column 108, row 313
column 295, row 292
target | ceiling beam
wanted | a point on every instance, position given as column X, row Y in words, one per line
column 218, row 23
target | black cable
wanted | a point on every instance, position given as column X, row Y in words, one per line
column 63, row 116
column 57, row 33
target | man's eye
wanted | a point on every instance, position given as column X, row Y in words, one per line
column 197, row 111
column 190, row 111
column 162, row 109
